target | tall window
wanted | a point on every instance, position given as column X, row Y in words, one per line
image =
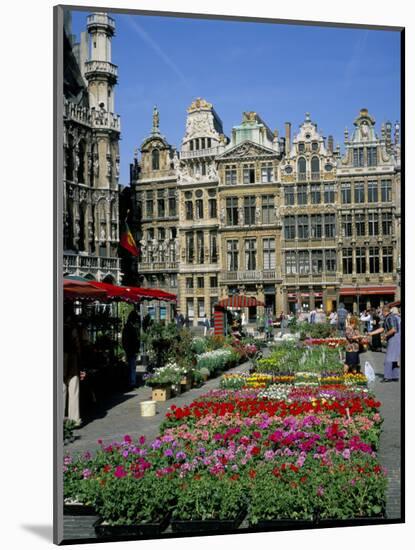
column 232, row 211
column 250, row 254
column 359, row 192
column 199, row 209
column 347, row 227
column 301, row 194
column 372, row 191
column 249, row 210
column 387, row 259
column 303, row 227
column 315, row 168
column 331, row 260
column 212, row 205
column 149, row 204
column 346, row 193
column 386, row 190
column 189, row 210
column 372, row 156
column 213, row 282
column 249, row 173
column 190, row 308
column 190, row 247
column 289, row 227
column 200, row 282
column 200, row 247
column 316, row 226
column 172, row 202
column 359, row 222
column 81, row 158
column 232, row 253
column 155, row 159
column 201, row 307
column 303, row 262
column 374, row 259
column 289, row 195
column 267, row 172
column 347, row 261
column 315, row 193
column 358, row 156
column 373, row 219
column 213, row 247
column 387, row 223
column 317, row 261
column 269, row 253
column 329, row 225
column 329, row 193
column 230, row 174
column 360, row 259
column 290, row 263
column 301, row 169
column 189, row 282
column 268, row 210
column 161, row 206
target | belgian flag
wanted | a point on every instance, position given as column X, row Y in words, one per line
column 127, row 241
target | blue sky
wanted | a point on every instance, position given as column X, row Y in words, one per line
column 279, row 71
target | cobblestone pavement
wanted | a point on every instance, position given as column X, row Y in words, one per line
column 122, row 416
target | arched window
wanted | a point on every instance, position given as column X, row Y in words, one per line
column 155, row 159
column 82, row 226
column 69, row 159
column 315, row 165
column 302, row 165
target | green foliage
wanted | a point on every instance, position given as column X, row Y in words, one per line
column 130, row 501
column 209, row 497
column 68, row 428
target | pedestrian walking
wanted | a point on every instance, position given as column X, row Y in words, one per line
column 352, row 361
column 71, row 370
column 206, row 325
column 376, row 343
column 312, row 318
column 131, row 345
column 333, row 318
column 365, row 319
column 392, row 330
column 341, row 319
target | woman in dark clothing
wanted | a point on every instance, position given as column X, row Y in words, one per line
column 352, row 362
column 376, row 344
column 131, row 344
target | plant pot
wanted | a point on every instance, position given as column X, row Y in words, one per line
column 78, row 509
column 276, row 524
column 148, row 408
column 161, row 393
column 205, row 377
column 186, row 383
column 332, row 522
column 151, row 529
column 207, row 525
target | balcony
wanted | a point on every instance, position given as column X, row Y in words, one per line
column 249, row 276
column 92, row 68
column 158, row 266
column 211, row 152
column 100, row 19
column 82, row 265
column 105, row 120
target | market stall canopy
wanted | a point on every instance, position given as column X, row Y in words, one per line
column 81, row 290
column 240, row 301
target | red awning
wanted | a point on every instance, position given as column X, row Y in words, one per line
column 240, row 301
column 80, row 290
column 134, row 293
column 363, row 291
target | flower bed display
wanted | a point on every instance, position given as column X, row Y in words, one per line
column 277, row 451
column 329, row 342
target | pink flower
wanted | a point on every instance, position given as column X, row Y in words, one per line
column 120, row 472
column 127, row 439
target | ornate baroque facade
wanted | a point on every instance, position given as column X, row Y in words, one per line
column 289, row 220
column 91, row 154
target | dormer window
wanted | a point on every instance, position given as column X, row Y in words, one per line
column 358, row 156
column 314, row 146
column 372, row 157
column 301, row 147
column 155, row 159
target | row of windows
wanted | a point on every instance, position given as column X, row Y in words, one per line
column 303, row 262
column 249, row 174
column 200, row 143
column 162, row 233
column 200, row 282
column 367, row 259
column 365, row 156
column 195, row 247
column 195, row 209
column 248, row 214
column 250, row 254
column 306, row 227
column 361, row 193
column 364, row 224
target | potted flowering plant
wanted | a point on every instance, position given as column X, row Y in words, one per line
column 209, row 503
column 132, row 506
column 163, row 379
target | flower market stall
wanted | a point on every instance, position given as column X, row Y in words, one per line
column 293, row 444
column 223, row 318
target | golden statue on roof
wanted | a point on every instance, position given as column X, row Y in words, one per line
column 199, row 103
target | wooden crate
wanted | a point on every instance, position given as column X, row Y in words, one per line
column 161, row 394
column 186, row 383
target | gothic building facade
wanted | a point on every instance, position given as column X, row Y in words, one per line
column 91, row 153
column 290, row 219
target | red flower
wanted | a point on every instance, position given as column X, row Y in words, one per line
column 252, row 474
column 255, row 451
column 107, row 468
column 294, row 468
